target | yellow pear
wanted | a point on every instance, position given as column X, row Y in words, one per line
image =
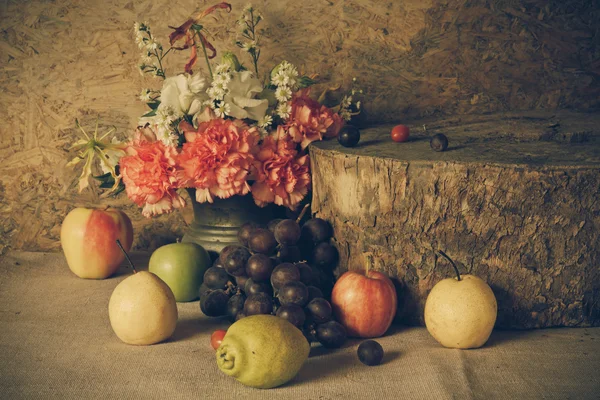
column 460, row 312
column 262, row 351
column 142, row 309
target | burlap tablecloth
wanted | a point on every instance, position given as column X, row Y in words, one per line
column 56, row 342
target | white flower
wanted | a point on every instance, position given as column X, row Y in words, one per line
column 265, row 121
column 243, row 90
column 140, row 40
column 215, row 93
column 183, row 94
column 146, row 58
column 169, row 138
column 358, row 105
column 136, row 27
column 345, row 114
column 283, row 93
column 145, row 95
column 346, row 101
column 262, row 132
column 280, row 79
column 222, row 68
column 223, row 79
column 222, row 109
column 284, row 110
column 113, row 155
column 152, row 45
column 248, row 46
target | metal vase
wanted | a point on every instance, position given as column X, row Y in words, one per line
column 216, row 224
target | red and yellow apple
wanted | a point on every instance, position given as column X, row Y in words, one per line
column 364, row 303
column 88, row 239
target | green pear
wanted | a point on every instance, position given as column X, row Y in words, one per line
column 142, row 309
column 262, row 351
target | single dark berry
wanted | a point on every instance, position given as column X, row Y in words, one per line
column 331, row 334
column 316, row 230
column 262, row 241
column 439, row 142
column 370, row 353
column 349, row 136
column 287, row 232
column 245, row 232
column 325, row 256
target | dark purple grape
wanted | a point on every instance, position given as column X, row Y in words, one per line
column 259, row 267
column 217, row 263
column 439, row 142
column 284, row 273
column 241, row 281
column 349, row 136
column 223, row 254
column 203, row 289
column 316, row 230
column 214, row 303
column 235, row 305
column 309, row 329
column 331, row 334
column 314, row 293
column 257, row 287
column 319, row 310
column 216, row 278
column 258, row 303
column 245, row 231
column 287, row 232
column 293, row 293
column 307, row 275
column 273, row 223
column 292, row 313
column 262, row 241
column 289, row 253
column 370, row 353
column 235, row 261
column 325, row 256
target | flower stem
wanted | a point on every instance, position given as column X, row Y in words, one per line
column 302, row 213
column 206, row 56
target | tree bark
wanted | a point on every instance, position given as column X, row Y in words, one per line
column 521, row 214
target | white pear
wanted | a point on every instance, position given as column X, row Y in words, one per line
column 142, row 309
column 460, row 312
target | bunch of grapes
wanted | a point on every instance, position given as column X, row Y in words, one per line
column 281, row 269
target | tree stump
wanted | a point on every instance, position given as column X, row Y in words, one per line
column 514, row 200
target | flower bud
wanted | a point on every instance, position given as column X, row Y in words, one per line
column 232, row 60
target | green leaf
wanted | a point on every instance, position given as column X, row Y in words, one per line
column 153, row 104
column 197, row 27
column 305, row 82
column 149, row 114
column 106, row 185
column 104, row 177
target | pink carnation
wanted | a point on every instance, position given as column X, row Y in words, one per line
column 150, row 175
column 283, row 173
column 310, row 121
column 217, row 158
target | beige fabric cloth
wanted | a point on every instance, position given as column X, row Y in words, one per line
column 56, row 343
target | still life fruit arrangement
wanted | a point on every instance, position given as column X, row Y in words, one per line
column 225, row 133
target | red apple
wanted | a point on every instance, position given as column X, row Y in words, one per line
column 364, row 303
column 88, row 238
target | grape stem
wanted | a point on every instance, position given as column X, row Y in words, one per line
column 451, row 262
column 302, row 214
column 126, row 256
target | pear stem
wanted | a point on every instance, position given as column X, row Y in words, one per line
column 451, row 262
column 302, row 214
column 126, row 256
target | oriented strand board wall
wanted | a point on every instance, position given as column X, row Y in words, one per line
column 67, row 59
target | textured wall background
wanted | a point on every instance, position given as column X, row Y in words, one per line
column 67, row 59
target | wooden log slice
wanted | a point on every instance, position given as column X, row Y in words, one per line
column 514, row 200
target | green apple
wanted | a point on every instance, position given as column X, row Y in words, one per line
column 461, row 312
column 181, row 266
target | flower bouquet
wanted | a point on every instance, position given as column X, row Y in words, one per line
column 224, row 130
